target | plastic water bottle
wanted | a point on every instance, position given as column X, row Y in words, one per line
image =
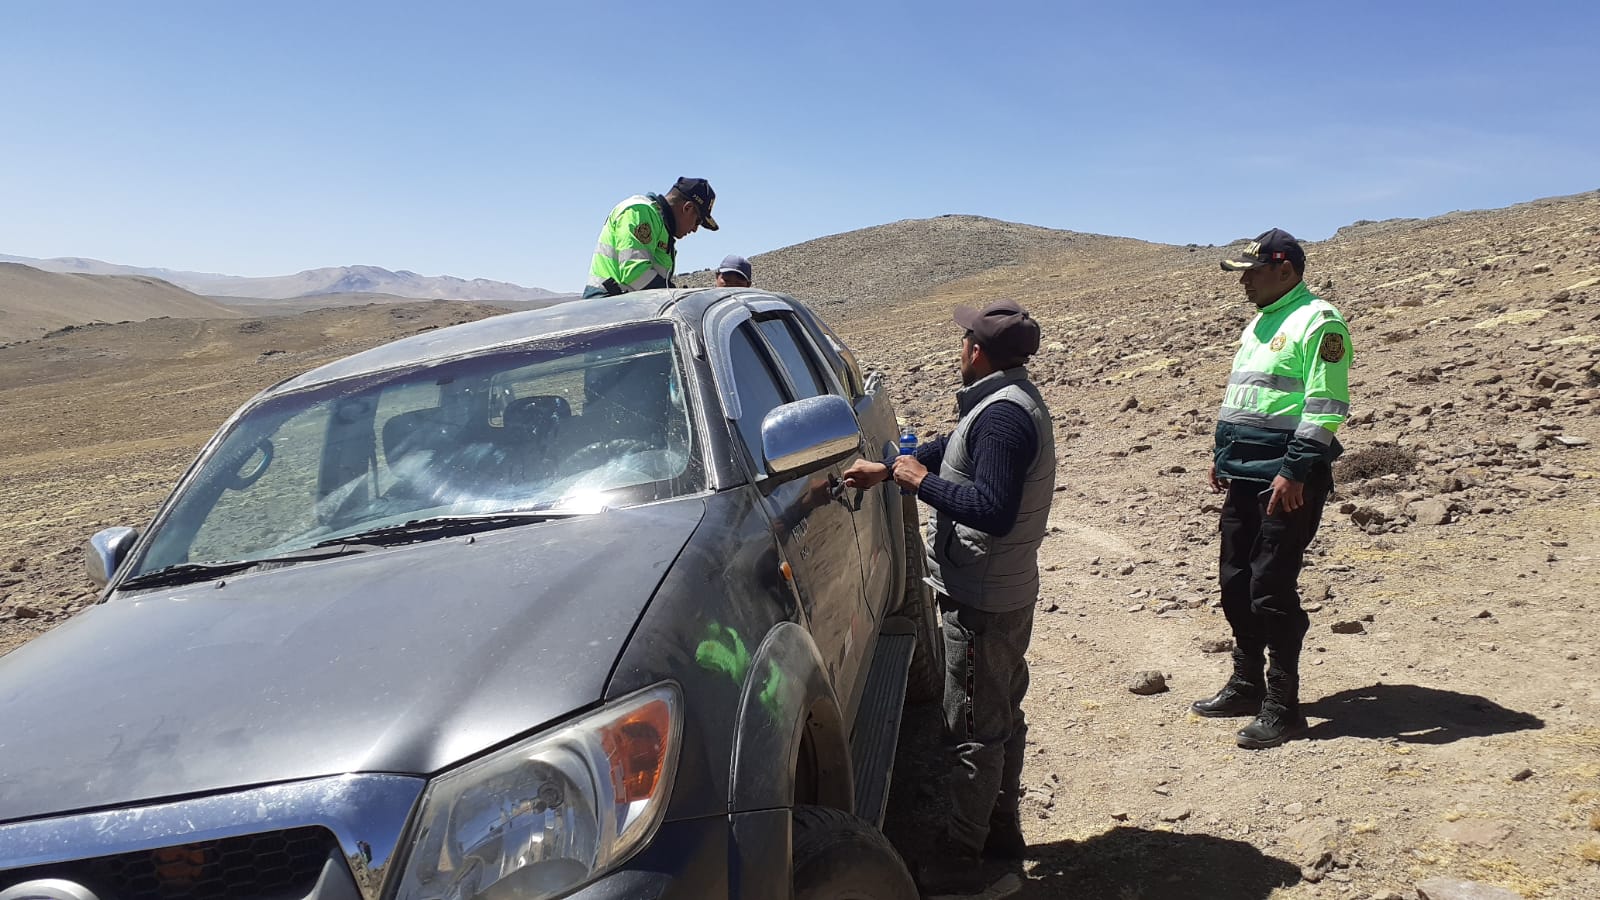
column 908, row 447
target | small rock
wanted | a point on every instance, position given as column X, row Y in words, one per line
column 1177, row 814
column 1567, row 440
column 1431, row 512
column 1387, row 895
column 1120, row 814
column 1294, row 809
column 1367, row 515
column 25, row 612
column 1148, row 682
column 1523, row 775
column 1572, row 654
column 1348, row 627
column 1216, row 645
column 1484, row 614
column 1126, row 570
column 1130, row 403
column 1460, row 889
column 1484, row 833
column 1163, row 790
column 1531, row 443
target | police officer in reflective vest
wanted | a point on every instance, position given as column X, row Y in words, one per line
column 638, row 246
column 1274, row 453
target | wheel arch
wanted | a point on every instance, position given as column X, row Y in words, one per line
column 791, row 742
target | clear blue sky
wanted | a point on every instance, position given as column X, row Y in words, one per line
column 489, row 139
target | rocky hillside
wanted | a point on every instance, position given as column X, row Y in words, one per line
column 1451, row 670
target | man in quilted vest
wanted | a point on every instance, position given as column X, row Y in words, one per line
column 1273, row 456
column 990, row 498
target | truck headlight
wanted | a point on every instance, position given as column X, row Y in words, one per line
column 552, row 812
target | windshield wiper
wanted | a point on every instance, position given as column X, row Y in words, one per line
column 447, row 526
column 187, row 573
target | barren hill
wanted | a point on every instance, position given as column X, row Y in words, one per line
column 33, row 302
column 884, row 264
column 1452, row 674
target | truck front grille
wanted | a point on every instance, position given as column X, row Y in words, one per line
column 272, row 864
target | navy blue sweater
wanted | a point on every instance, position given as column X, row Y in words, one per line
column 1001, row 444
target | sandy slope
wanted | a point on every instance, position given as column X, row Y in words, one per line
column 34, row 302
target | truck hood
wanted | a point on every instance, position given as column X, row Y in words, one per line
column 405, row 660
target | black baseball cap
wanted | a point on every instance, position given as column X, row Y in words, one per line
column 1003, row 328
column 734, row 263
column 699, row 190
column 1272, row 246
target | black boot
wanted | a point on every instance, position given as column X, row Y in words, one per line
column 1005, row 839
column 951, row 869
column 1241, row 696
column 1280, row 718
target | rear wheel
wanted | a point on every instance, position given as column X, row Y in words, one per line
column 838, row 856
column 926, row 679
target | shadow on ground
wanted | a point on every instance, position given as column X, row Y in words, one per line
column 1123, row 863
column 1128, row 863
column 1413, row 715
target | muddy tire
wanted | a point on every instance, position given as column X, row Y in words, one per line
column 838, row 856
column 926, row 679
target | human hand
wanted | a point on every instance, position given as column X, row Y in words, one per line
column 1287, row 495
column 863, row 474
column 908, row 473
column 1218, row 485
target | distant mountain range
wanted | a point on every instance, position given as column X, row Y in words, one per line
column 310, row 283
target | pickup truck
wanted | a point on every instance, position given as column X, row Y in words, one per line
column 570, row 602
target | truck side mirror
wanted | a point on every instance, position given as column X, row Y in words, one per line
column 105, row 551
column 808, row 433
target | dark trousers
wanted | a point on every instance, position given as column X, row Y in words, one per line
column 986, row 676
column 1260, row 565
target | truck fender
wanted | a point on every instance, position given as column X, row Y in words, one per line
column 787, row 703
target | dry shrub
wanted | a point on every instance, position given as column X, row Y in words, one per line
column 1375, row 462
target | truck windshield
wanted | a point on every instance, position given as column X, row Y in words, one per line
column 573, row 424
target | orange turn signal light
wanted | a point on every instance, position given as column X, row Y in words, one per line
column 637, row 747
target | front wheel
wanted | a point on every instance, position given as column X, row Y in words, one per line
column 838, row 856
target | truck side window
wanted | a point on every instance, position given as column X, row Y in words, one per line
column 759, row 390
column 804, row 374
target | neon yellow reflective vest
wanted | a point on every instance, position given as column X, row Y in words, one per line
column 636, row 250
column 1289, row 391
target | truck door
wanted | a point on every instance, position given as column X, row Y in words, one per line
column 810, row 511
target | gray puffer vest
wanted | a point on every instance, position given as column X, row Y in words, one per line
column 994, row 573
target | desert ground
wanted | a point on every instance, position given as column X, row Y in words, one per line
column 1451, row 671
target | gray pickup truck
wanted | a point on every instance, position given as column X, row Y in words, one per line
column 563, row 603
